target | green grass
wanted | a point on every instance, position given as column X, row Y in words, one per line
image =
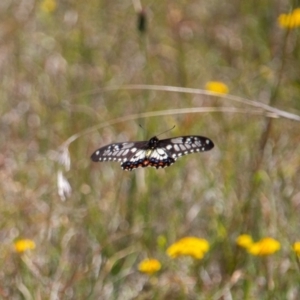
column 73, row 73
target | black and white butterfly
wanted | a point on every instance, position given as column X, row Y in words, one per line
column 153, row 153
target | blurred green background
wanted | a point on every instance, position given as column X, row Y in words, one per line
column 63, row 68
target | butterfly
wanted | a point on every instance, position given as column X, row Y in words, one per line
column 153, row 153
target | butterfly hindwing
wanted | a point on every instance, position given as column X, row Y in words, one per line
column 157, row 158
column 154, row 153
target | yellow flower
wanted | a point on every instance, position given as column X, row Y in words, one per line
column 265, row 246
column 217, row 87
column 191, row 246
column 296, row 248
column 24, row 245
column 291, row 20
column 48, row 6
column 149, row 266
column 244, row 240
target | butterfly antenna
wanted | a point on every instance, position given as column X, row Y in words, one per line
column 167, row 130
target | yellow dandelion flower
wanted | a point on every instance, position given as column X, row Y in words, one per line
column 291, row 20
column 217, row 87
column 244, row 240
column 149, row 266
column 265, row 246
column 48, row 6
column 296, row 248
column 190, row 246
column 24, row 245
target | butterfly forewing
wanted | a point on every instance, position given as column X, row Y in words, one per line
column 154, row 153
column 117, row 152
column 184, row 145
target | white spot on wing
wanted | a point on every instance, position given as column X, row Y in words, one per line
column 141, row 154
column 182, row 147
column 177, row 140
column 127, row 146
column 120, row 153
column 162, row 153
column 176, row 148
